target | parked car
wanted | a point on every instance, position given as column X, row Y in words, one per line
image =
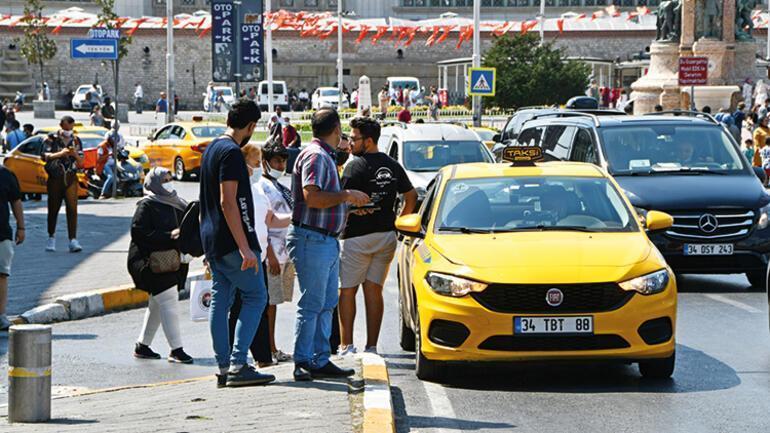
column 179, row 146
column 134, row 152
column 227, row 94
column 280, row 95
column 412, row 83
column 328, row 97
column 682, row 163
column 79, row 102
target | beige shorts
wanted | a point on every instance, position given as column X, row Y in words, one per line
column 6, row 256
column 367, row 258
column 280, row 288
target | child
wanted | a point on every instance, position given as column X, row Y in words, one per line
column 748, row 149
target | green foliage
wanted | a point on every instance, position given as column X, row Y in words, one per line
column 35, row 45
column 108, row 19
column 530, row 74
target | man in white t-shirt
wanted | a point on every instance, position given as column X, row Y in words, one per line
column 280, row 269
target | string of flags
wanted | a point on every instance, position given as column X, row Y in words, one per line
column 399, row 32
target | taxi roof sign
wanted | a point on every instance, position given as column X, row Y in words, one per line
column 522, row 155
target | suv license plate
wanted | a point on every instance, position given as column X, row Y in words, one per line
column 553, row 325
column 708, row 249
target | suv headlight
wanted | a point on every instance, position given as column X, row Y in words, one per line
column 449, row 285
column 764, row 217
column 649, row 284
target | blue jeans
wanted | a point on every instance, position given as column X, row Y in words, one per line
column 109, row 173
column 227, row 278
column 317, row 259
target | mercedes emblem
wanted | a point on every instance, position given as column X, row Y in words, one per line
column 708, row 223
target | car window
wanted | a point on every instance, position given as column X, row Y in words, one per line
column 91, row 142
column 208, row 131
column 427, row 204
column 393, row 151
column 263, row 89
column 32, row 146
column 531, row 136
column 534, row 203
column 557, row 142
column 164, row 133
column 661, row 149
column 176, row 133
column 584, row 149
column 330, row 92
column 433, row 155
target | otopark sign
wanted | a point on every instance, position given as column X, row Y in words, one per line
column 101, row 44
column 237, row 40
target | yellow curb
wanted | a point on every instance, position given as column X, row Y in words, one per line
column 378, row 420
column 375, row 372
column 122, row 297
column 378, row 413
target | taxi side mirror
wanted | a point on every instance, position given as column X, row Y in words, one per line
column 410, row 225
column 497, row 138
column 657, row 221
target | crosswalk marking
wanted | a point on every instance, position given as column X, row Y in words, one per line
column 734, row 303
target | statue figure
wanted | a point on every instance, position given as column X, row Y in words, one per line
column 708, row 23
column 744, row 23
column 669, row 21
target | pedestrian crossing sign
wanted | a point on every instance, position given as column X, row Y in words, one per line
column 482, row 82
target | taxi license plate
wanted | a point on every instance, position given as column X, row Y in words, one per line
column 708, row 249
column 553, row 325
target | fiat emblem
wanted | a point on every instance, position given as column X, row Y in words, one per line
column 708, row 223
column 554, row 297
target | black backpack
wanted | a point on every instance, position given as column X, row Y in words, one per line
column 190, row 231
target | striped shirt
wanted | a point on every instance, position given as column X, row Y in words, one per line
column 316, row 165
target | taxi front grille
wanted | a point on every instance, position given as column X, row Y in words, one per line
column 510, row 343
column 531, row 298
column 711, row 225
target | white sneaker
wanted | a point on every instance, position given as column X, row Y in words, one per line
column 75, row 246
column 50, row 246
column 347, row 350
column 371, row 349
column 4, row 322
column 280, row 356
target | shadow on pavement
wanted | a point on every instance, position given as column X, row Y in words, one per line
column 692, row 283
column 71, row 421
column 695, row 372
column 455, row 424
column 74, row 336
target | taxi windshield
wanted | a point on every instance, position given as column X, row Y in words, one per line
column 432, row 155
column 498, row 205
column 208, row 131
column 662, row 149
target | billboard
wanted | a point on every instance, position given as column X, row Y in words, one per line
column 237, row 40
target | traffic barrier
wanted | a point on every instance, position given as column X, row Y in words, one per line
column 378, row 404
column 29, row 373
column 47, row 313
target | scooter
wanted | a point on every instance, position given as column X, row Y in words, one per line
column 130, row 177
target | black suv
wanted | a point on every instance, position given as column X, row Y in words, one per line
column 686, row 165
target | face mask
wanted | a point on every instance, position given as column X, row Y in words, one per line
column 342, row 157
column 256, row 174
column 273, row 173
column 168, row 186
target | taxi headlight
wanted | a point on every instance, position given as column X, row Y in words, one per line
column 764, row 217
column 649, row 284
column 143, row 159
column 449, row 285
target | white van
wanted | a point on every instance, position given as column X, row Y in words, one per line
column 280, row 95
column 412, row 83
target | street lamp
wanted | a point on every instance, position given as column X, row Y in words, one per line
column 477, row 58
column 169, row 62
column 541, row 18
column 340, row 14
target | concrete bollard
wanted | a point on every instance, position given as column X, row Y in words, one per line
column 29, row 373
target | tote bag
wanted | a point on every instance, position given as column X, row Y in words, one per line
column 200, row 300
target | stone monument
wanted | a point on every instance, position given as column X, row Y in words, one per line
column 720, row 30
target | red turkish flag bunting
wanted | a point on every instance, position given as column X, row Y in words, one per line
column 362, row 35
column 560, row 25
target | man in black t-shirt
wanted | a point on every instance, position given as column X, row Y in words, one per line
column 370, row 235
column 230, row 243
column 10, row 196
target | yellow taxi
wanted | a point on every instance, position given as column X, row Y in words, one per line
column 26, row 162
column 134, row 152
column 545, row 261
column 179, row 146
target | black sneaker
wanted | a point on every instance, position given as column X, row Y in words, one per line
column 302, row 373
column 247, row 376
column 331, row 370
column 221, row 380
column 178, row 355
column 144, row 352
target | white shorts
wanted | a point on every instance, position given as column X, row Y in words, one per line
column 6, row 256
column 280, row 288
column 367, row 258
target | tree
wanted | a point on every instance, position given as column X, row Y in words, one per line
column 35, row 45
column 531, row 74
column 108, row 19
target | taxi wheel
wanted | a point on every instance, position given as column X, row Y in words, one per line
column 179, row 173
column 424, row 368
column 658, row 368
column 406, row 337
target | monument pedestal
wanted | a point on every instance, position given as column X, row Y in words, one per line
column 663, row 74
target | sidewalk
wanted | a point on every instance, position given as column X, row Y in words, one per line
column 198, row 406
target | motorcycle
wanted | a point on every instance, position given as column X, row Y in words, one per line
column 129, row 178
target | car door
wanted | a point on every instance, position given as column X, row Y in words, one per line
column 27, row 164
column 557, row 142
column 583, row 147
column 155, row 148
column 179, row 145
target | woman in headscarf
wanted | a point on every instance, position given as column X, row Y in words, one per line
column 155, row 265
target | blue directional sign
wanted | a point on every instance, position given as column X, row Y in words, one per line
column 237, row 40
column 102, row 49
column 482, row 82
